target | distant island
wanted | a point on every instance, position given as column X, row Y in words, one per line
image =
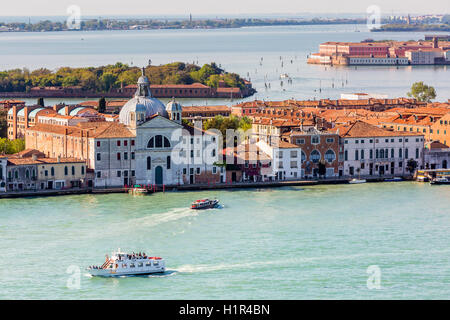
column 176, row 79
column 412, row 27
column 147, row 24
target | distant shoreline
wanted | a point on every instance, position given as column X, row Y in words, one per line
column 112, row 25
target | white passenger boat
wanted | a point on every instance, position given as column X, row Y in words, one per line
column 127, row 264
column 355, row 181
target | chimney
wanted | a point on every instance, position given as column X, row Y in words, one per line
column 198, row 123
column 34, row 157
column 59, row 159
column 435, row 42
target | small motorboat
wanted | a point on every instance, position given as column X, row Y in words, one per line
column 127, row 264
column 356, row 181
column 138, row 190
column 438, row 181
column 205, row 204
column 394, row 179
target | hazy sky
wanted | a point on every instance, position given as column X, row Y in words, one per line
column 172, row 7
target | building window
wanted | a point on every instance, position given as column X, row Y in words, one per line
column 99, row 174
column 118, row 156
column 392, row 153
column 417, row 153
column 371, row 154
column 315, row 156
column 82, row 170
column 118, row 143
column 362, row 154
column 99, row 157
column 168, row 162
column 119, row 174
column 73, row 170
column 356, row 154
column 315, row 140
column 132, row 156
column 125, row 143
column 132, row 142
column 198, row 170
column 149, row 163
column 125, row 155
column 98, row 143
column 158, row 142
column 299, row 141
column 330, row 140
column 52, row 171
column 345, row 155
column 330, row 156
column 133, row 173
column 66, row 171
column 303, row 156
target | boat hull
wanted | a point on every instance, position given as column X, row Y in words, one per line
column 111, row 273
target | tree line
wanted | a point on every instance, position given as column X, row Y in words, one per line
column 105, row 78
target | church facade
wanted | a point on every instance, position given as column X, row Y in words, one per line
column 149, row 145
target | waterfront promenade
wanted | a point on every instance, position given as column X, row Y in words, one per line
column 190, row 187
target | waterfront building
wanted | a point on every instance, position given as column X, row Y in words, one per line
column 286, row 160
column 317, row 148
column 3, row 173
column 381, row 53
column 372, row 151
column 436, row 155
column 31, row 170
column 249, row 163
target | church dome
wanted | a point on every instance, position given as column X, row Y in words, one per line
column 142, row 102
column 173, row 106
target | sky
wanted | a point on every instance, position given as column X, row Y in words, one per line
column 217, row 7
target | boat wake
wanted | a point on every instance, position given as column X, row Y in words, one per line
column 290, row 262
column 152, row 220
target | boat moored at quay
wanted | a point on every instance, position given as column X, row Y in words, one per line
column 126, row 264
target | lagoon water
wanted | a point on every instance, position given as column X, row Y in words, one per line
column 286, row 243
column 236, row 50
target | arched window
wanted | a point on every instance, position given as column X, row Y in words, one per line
column 168, row 162
column 166, row 143
column 16, row 174
column 52, row 171
column 303, row 156
column 27, row 174
column 149, row 163
column 330, row 156
column 151, row 143
column 315, row 156
column 158, row 142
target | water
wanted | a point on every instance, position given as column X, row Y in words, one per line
column 236, row 50
column 286, row 243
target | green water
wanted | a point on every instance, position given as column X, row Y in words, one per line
column 286, row 243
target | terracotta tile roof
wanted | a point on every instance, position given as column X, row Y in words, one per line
column 30, row 161
column 361, row 129
column 101, row 130
column 206, row 109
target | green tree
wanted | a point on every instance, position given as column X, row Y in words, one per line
column 3, row 125
column 102, row 105
column 422, row 92
column 40, row 102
